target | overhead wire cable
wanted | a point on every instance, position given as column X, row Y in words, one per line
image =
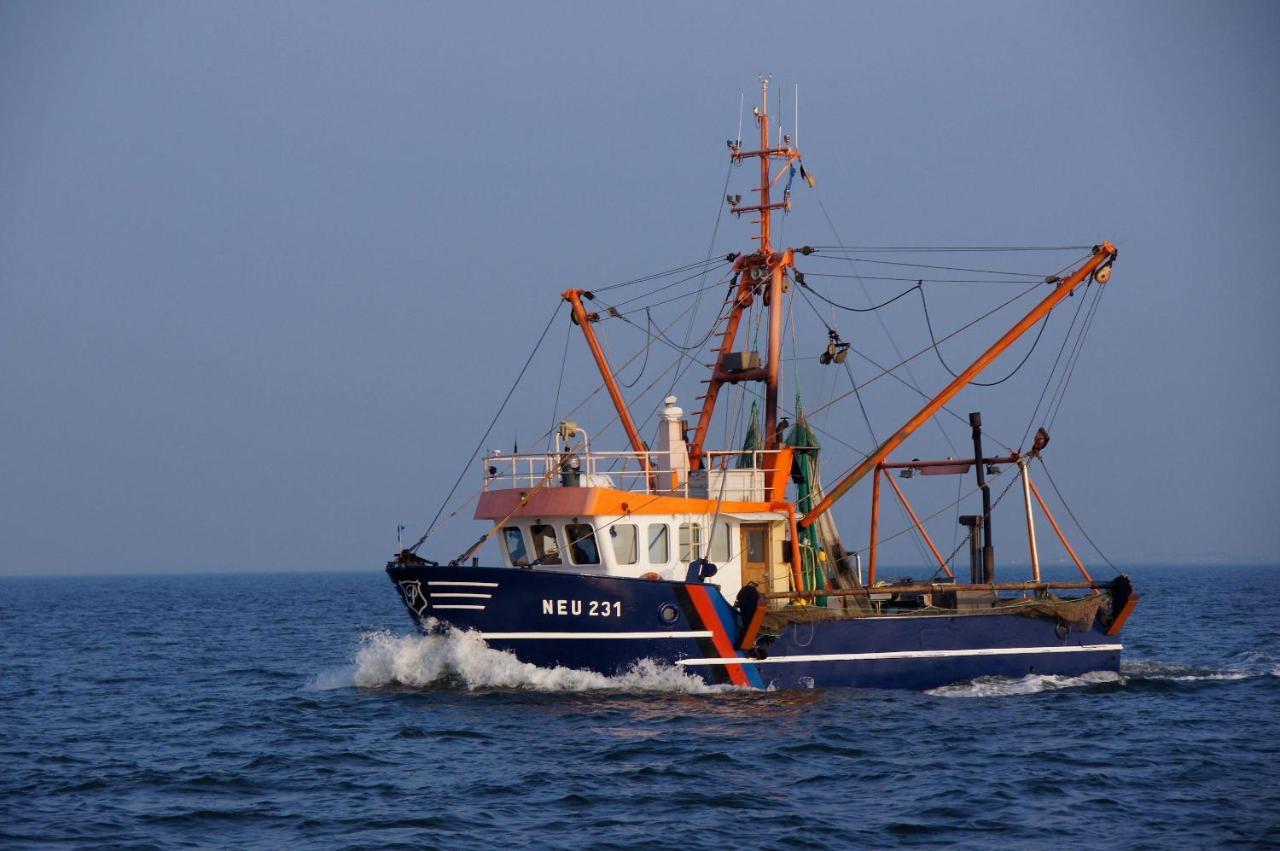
column 836, row 304
column 938, row 350
column 657, row 290
column 492, row 423
column 889, row 371
column 1074, row 519
column 1066, row 338
column 555, row 406
column 906, row 249
column 884, row 326
column 959, row 330
column 949, row 268
column 711, row 247
column 656, row 275
column 1075, row 359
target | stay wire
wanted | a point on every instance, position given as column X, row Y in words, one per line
column 1074, row 519
column 648, row 339
column 657, row 290
column 884, row 327
column 555, row 406
column 949, row 268
column 1075, row 360
column 652, row 277
column 889, row 371
column 1054, row 369
column 938, row 350
column 839, row 306
column 492, row 423
column 911, row 249
column 711, row 247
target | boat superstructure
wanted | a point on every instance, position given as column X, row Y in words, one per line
column 726, row 561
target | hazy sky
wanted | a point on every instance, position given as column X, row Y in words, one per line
column 266, row 270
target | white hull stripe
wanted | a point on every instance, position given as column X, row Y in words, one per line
column 436, row 595
column 905, row 654
column 455, row 606
column 465, row 584
column 605, row 635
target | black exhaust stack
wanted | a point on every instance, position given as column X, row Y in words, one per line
column 973, row 522
column 988, row 551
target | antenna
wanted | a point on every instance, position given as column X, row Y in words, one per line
column 742, row 104
column 795, row 131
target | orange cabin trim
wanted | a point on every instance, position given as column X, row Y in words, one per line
column 593, row 502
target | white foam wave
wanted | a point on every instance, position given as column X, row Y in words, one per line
column 458, row 659
column 1238, row 669
column 1030, row 684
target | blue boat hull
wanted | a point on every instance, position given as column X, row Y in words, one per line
column 608, row 624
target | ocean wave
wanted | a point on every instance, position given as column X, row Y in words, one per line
column 1030, row 684
column 460, row 659
column 1241, row 666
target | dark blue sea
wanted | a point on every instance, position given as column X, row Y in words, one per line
column 294, row 710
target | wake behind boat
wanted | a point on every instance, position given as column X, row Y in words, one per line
column 727, row 561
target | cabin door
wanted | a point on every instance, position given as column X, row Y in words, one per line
column 755, row 554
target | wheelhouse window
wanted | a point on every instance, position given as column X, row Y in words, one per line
column 582, row 543
column 513, row 538
column 718, row 549
column 544, row 543
column 623, row 536
column 690, row 542
column 659, row 544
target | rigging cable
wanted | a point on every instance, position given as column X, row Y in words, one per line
column 677, row 270
column 1074, row 519
column 884, row 327
column 911, row 249
column 657, row 290
column 711, row 247
column 1044, row 323
column 889, row 371
column 492, row 423
column 555, row 406
column 1074, row 359
column 905, row 361
column 800, row 280
column 648, row 323
column 949, row 268
column 1054, row 369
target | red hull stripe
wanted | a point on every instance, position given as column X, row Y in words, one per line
column 719, row 636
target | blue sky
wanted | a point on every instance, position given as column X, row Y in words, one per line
column 267, row 269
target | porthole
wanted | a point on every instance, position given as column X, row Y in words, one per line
column 668, row 613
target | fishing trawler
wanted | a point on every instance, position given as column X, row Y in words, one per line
column 727, row 562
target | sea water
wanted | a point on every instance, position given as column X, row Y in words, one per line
column 301, row 710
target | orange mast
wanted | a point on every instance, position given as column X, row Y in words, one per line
column 584, row 320
column 1099, row 265
column 760, row 273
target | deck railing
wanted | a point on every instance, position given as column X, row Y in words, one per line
column 619, row 470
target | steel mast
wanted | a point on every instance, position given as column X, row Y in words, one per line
column 761, row 273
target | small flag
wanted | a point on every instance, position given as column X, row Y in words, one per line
column 807, row 177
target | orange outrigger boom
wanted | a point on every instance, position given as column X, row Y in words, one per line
column 1098, row 265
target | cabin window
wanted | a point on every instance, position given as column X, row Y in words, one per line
column 623, row 536
column 582, row 543
column 659, row 544
column 690, row 542
column 718, row 549
column 545, row 544
column 517, row 555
